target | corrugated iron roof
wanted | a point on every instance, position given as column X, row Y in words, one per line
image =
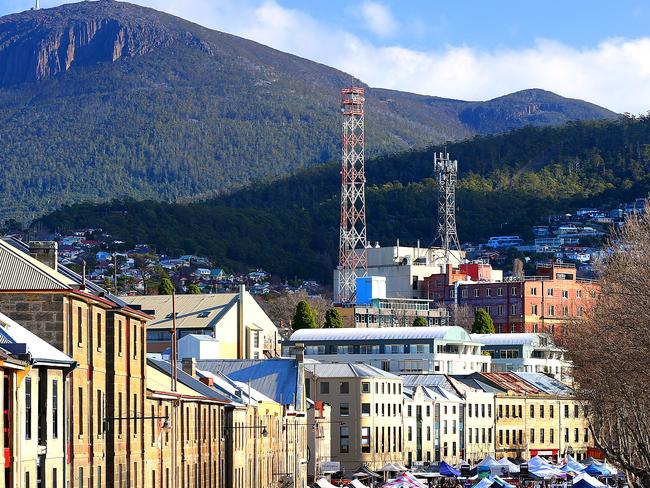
column 511, row 382
column 347, row 370
column 13, row 333
column 514, row 339
column 20, row 271
column 192, row 311
column 546, row 383
column 187, row 380
column 280, row 379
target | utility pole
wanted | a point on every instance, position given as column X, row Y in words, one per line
column 174, row 360
column 353, row 256
column 446, row 172
column 115, row 272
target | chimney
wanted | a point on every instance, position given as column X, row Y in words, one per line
column 300, row 352
column 241, row 333
column 189, row 366
column 47, row 252
column 207, row 381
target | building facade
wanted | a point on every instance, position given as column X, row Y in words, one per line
column 399, row 350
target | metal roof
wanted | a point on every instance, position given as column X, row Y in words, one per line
column 187, row 380
column 279, row 378
column 20, row 271
column 381, row 333
column 192, row 311
column 546, row 383
column 347, row 370
column 40, row 351
column 511, row 382
column 425, row 379
column 474, row 380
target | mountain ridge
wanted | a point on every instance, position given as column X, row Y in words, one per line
column 106, row 99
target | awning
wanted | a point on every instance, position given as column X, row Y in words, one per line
column 323, row 483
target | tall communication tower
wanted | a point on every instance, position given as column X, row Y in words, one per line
column 446, row 172
column 352, row 251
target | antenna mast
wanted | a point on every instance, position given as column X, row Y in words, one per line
column 446, row 172
column 353, row 257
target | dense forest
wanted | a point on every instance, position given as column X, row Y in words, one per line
column 507, row 183
column 134, row 103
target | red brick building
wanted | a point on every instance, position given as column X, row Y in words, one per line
column 545, row 302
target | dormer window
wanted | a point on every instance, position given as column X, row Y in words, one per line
column 203, row 315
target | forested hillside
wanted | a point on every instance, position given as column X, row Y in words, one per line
column 103, row 100
column 507, row 183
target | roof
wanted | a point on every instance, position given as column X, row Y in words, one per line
column 381, row 333
column 514, row 339
column 347, row 370
column 41, row 352
column 20, row 271
column 476, row 381
column 425, row 379
column 280, row 379
column 187, row 380
column 199, row 337
column 192, row 311
column 546, row 383
column 511, row 383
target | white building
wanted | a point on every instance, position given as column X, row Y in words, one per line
column 404, row 268
column 444, row 350
column 525, row 353
column 198, row 346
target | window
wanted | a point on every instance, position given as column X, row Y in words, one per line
column 483, row 410
column 135, row 414
column 119, row 338
column 27, row 480
column 566, row 411
column 469, row 410
column 135, row 340
column 463, row 293
column 513, row 309
column 499, row 309
column 533, row 291
column 365, row 439
column 533, row 309
column 55, row 409
column 80, row 329
column 541, row 411
column 513, row 291
column 576, row 435
column 153, row 426
column 410, row 411
column 453, row 426
column 565, row 311
column 344, row 409
column 55, row 477
column 508, row 437
column 365, row 409
column 409, row 434
column 520, row 411
column 551, row 310
column 80, row 411
column 565, row 293
column 552, row 436
column 578, row 293
column 365, row 387
column 566, row 435
column 489, row 410
column 345, row 387
column 256, row 339
column 532, row 436
column 325, row 387
column 488, row 292
column 99, row 331
column 476, row 292
column 552, row 411
column 81, row 478
column 532, row 411
column 576, row 411
column 344, row 439
column 500, row 291
column 541, row 436
column 428, row 410
column 488, row 309
column 444, row 427
column 428, row 433
column 501, row 437
column 119, row 413
column 580, row 311
column 549, row 292
column 507, row 411
column 586, row 436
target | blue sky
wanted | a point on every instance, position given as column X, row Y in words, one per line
column 597, row 50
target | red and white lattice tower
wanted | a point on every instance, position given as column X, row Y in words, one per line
column 353, row 257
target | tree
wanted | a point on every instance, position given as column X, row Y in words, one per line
column 194, row 289
column 107, row 284
column 166, row 287
column 303, row 318
column 462, row 316
column 420, row 322
column 333, row 319
column 282, row 308
column 609, row 349
column 483, row 323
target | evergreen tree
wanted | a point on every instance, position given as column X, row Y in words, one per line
column 483, row 323
column 166, row 287
column 193, row 289
column 107, row 284
column 333, row 319
column 304, row 317
column 420, row 322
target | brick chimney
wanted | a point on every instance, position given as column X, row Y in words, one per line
column 300, row 352
column 189, row 366
column 47, row 252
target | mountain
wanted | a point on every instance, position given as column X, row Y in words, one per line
column 105, row 99
column 507, row 183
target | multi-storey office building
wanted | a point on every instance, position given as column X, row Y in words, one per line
column 32, row 397
column 443, row 350
column 546, row 302
column 366, row 412
column 526, row 353
column 106, row 340
column 395, row 312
